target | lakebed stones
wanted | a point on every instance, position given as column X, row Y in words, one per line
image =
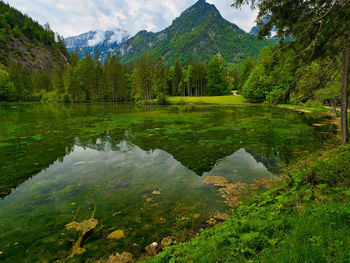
column 221, row 216
column 166, row 241
column 196, row 216
column 152, row 249
column 124, row 257
column 232, row 193
column 215, row 180
column 118, row 234
column 83, row 227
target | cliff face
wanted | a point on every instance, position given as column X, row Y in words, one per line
column 33, row 56
column 26, row 43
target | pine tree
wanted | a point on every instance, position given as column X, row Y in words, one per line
column 177, row 78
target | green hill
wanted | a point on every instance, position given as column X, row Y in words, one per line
column 199, row 33
column 28, row 43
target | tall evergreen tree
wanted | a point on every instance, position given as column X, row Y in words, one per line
column 177, row 78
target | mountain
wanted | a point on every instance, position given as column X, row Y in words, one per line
column 199, row 33
column 27, row 43
column 103, row 41
column 254, row 31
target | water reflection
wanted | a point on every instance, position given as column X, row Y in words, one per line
column 120, row 180
column 143, row 170
column 32, row 137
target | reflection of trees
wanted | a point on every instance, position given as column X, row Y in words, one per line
column 197, row 136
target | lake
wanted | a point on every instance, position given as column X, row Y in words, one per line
column 140, row 167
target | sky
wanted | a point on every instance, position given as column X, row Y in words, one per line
column 73, row 17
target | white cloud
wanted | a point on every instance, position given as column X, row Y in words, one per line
column 98, row 38
column 73, row 17
column 118, row 36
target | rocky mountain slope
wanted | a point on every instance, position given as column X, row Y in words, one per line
column 199, row 33
column 104, row 42
column 28, row 44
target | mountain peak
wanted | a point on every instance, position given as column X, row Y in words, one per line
column 203, row 7
column 200, row 32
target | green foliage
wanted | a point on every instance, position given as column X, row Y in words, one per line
column 333, row 168
column 217, row 83
column 177, row 78
column 248, row 66
column 271, row 76
column 255, row 88
column 7, row 87
column 295, row 222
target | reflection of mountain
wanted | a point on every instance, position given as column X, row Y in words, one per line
column 237, row 167
column 240, row 164
column 35, row 136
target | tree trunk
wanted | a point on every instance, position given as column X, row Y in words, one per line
column 344, row 95
column 334, row 108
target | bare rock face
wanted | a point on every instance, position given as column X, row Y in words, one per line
column 152, row 249
column 125, row 257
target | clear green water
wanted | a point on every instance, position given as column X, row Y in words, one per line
column 58, row 159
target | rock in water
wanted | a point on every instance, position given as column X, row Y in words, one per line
column 125, row 257
column 215, row 180
column 196, row 216
column 166, row 241
column 118, row 234
column 221, row 216
column 152, row 249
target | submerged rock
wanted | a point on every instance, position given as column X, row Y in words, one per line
column 166, row 241
column 118, row 234
column 232, row 193
column 211, row 221
column 215, row 180
column 152, row 249
column 221, row 216
column 83, row 227
column 125, row 257
column 196, row 216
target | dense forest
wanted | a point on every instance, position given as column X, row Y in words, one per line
column 85, row 80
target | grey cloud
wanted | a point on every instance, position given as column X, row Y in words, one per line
column 72, row 17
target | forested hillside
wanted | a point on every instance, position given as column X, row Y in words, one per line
column 26, row 43
column 199, row 34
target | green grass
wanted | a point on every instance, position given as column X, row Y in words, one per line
column 220, row 100
column 307, row 219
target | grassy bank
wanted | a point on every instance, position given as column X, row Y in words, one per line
column 307, row 219
column 222, row 100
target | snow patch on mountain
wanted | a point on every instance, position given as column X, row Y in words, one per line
column 98, row 37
